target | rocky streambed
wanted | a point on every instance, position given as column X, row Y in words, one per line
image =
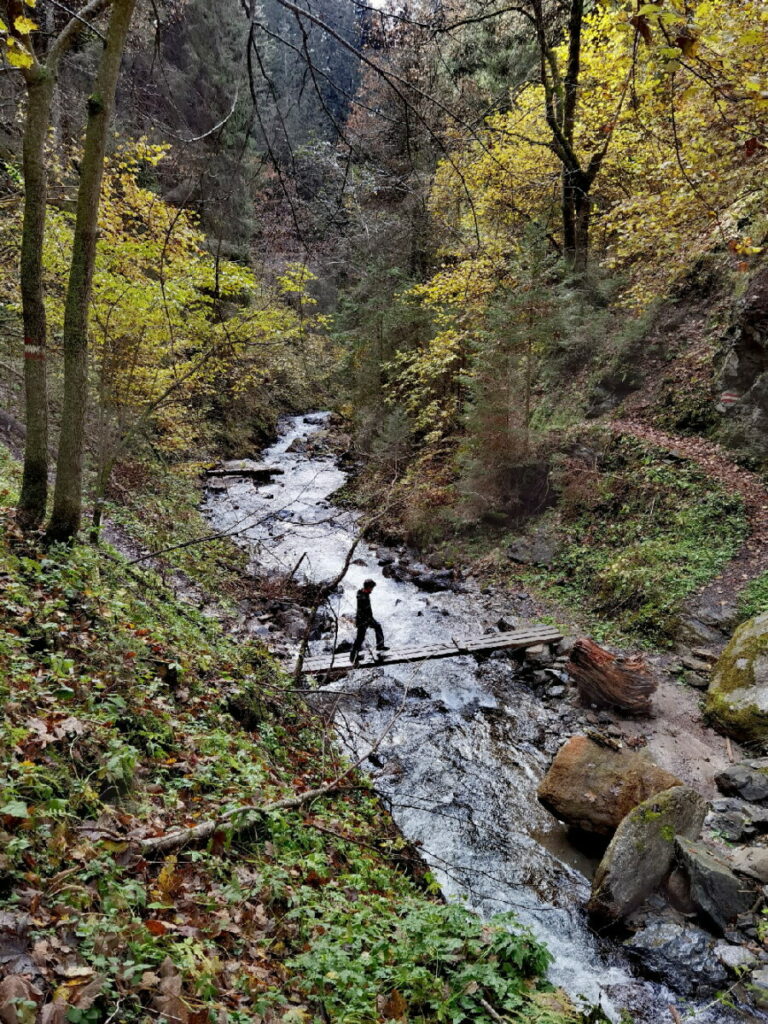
column 458, row 749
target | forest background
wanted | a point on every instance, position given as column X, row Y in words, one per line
column 480, row 232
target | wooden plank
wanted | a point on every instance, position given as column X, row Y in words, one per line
column 528, row 637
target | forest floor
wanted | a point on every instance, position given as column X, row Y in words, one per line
column 718, row 463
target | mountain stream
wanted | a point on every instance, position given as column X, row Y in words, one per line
column 464, row 742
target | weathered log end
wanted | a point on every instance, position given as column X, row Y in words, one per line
column 606, row 681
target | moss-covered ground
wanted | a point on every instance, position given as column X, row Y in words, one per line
column 126, row 713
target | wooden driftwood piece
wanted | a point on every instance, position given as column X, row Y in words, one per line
column 610, row 682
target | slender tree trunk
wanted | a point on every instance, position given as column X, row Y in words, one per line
column 577, row 206
column 67, row 508
column 34, row 488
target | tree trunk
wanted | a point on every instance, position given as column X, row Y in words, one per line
column 610, row 682
column 577, row 207
column 67, row 508
column 34, row 488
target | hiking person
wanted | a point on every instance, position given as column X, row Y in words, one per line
column 364, row 620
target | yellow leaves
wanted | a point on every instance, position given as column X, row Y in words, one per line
column 24, row 25
column 17, row 55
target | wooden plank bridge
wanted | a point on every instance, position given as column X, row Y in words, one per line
column 517, row 639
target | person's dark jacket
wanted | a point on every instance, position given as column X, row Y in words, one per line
column 364, row 613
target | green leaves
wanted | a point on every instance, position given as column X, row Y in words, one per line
column 15, row 809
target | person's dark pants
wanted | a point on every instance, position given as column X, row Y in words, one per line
column 362, row 629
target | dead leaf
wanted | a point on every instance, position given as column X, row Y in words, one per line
column 393, row 1006
column 156, row 927
column 168, row 1000
column 15, row 990
column 54, row 1013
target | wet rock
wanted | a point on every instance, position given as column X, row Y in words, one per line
column 741, row 780
column 679, row 954
column 430, row 582
column 556, row 691
column 292, row 623
column 751, row 861
column 506, row 625
column 592, row 787
column 715, row 889
column 737, row 700
column 641, row 852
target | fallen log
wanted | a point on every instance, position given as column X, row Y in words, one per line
column 607, row 681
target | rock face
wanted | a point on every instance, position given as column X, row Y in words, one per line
column 641, row 853
column 593, row 787
column 741, row 780
column 746, row 365
column 715, row 889
column 681, row 955
column 737, row 699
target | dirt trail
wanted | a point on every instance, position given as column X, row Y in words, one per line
column 717, row 462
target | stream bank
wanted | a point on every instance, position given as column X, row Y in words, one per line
column 457, row 748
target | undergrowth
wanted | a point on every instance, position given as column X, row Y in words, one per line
column 118, row 726
column 639, row 532
column 753, row 600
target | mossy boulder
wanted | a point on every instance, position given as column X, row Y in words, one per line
column 737, row 699
column 593, row 788
column 641, row 854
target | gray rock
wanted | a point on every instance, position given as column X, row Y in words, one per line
column 751, row 861
column 735, row 819
column 539, row 654
column 715, row 889
column 741, row 780
column 679, row 954
column 539, row 549
column 696, row 681
column 694, row 665
column 737, row 700
column 641, row 852
column 735, row 958
column 565, row 646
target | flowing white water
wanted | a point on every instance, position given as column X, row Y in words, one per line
column 460, row 757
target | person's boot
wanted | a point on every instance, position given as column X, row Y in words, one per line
column 382, row 647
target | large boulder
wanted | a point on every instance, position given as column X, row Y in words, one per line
column 737, row 699
column 715, row 889
column 679, row 954
column 640, row 855
column 593, row 787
